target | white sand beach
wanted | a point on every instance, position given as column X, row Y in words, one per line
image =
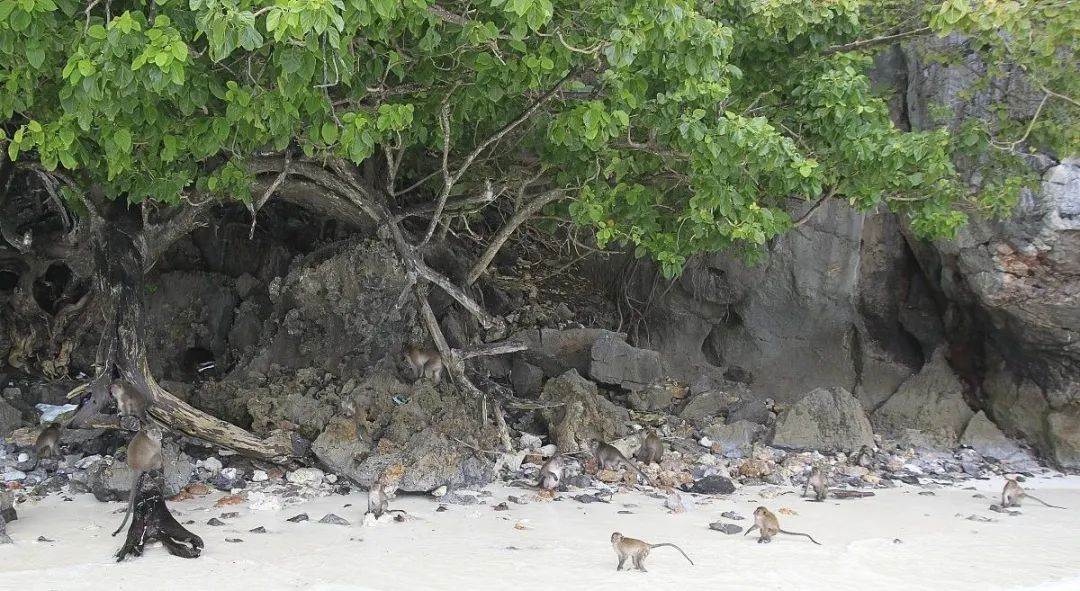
column 897, row 540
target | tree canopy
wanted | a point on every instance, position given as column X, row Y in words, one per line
column 674, row 127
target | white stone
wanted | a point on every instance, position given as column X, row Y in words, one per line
column 530, row 441
column 260, row 476
column 14, row 476
column 260, row 501
column 211, row 465
column 88, row 461
column 306, row 476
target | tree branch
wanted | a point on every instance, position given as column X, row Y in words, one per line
column 813, row 208
column 883, row 40
column 519, row 217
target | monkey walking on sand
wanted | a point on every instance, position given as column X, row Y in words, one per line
column 819, row 481
column 1013, row 493
column 143, row 455
column 637, row 550
column 769, row 525
column 652, row 449
column 424, row 363
column 609, row 457
column 47, row 444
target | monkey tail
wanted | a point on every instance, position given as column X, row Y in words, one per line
column 795, row 533
column 750, row 529
column 651, row 546
column 131, row 501
column 643, row 475
column 1043, row 502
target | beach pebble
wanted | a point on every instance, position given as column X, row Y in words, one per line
column 727, row 528
column 298, row 518
column 259, row 476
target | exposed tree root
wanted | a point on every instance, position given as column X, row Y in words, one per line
column 151, row 521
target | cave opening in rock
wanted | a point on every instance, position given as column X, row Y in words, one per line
column 197, row 363
column 9, row 278
column 51, row 286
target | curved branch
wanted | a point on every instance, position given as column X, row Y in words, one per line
column 883, row 40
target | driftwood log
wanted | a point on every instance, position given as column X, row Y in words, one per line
column 151, row 520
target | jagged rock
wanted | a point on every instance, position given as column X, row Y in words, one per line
column 298, row 518
column 10, row 418
column 4, row 538
column 306, row 476
column 526, row 378
column 825, row 419
column 7, row 506
column 110, row 480
column 932, row 401
column 713, row 485
column 555, row 351
column 727, row 528
column 1063, row 437
column 737, row 437
column 614, row 361
column 705, row 407
column 584, row 414
column 655, row 396
column 334, row 519
column 985, row 437
column 754, row 411
column 415, row 441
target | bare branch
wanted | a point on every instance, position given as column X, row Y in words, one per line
column 519, row 217
column 883, row 40
column 1012, row 145
column 491, row 349
column 257, row 205
column 813, row 208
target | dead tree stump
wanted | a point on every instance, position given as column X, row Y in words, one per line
column 151, row 520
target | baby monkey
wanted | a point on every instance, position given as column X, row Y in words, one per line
column 143, row 455
column 424, row 363
column 48, row 442
column 652, row 450
column 819, row 481
column 637, row 550
column 769, row 525
column 609, row 457
column 1013, row 493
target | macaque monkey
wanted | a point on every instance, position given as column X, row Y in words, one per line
column 1013, row 493
column 819, row 481
column 637, row 550
column 865, row 457
column 609, row 457
column 48, row 442
column 551, row 473
column 424, row 363
column 143, row 455
column 129, row 401
column 769, row 525
column 652, row 450
column 378, row 500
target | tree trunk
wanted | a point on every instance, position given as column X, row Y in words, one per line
column 151, row 520
column 120, row 282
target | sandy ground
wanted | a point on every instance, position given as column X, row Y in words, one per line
column 566, row 547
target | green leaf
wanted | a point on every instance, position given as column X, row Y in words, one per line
column 36, row 56
column 96, row 31
column 329, row 132
column 122, row 139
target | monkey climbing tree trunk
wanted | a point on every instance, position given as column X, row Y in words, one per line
column 120, row 269
column 151, row 521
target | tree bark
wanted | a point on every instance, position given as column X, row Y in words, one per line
column 120, row 276
column 151, row 520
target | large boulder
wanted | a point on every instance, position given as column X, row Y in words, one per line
column 555, row 351
column 583, row 415
column 733, row 438
column 1063, row 437
column 614, row 361
column 10, row 418
column 931, row 401
column 985, row 437
column 824, row 419
column 419, row 436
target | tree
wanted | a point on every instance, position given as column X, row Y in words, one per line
column 668, row 126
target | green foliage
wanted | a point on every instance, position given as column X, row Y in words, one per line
column 682, row 127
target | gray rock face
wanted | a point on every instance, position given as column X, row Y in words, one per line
column 655, row 396
column 7, row 506
column 613, row 361
column 1013, row 285
column 110, row 480
column 556, row 351
column 10, row 418
column 526, row 378
column 931, row 402
column 412, row 443
column 985, row 437
column 827, row 418
column 737, row 437
column 585, row 414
